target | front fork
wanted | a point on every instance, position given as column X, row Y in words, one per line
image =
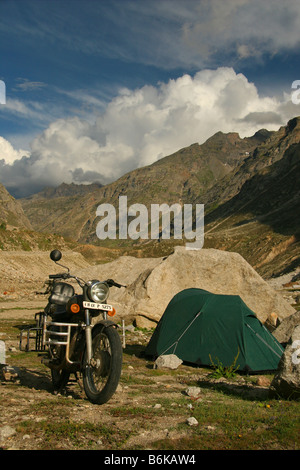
column 88, row 336
column 88, row 329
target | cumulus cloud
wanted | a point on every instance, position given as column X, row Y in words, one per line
column 140, row 126
column 9, row 154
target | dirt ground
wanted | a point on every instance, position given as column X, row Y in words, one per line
column 150, row 409
column 134, row 415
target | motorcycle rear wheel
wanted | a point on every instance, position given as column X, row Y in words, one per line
column 101, row 377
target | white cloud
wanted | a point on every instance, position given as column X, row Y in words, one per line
column 140, row 126
column 9, row 154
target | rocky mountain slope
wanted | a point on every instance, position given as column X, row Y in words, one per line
column 250, row 188
column 256, row 211
column 11, row 211
column 180, row 177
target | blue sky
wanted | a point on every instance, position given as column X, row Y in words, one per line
column 97, row 88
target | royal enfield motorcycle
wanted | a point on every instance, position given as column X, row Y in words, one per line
column 71, row 342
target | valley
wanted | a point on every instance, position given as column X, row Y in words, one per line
column 249, row 187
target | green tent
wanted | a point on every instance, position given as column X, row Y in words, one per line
column 204, row 328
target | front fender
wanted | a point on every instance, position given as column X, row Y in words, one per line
column 102, row 325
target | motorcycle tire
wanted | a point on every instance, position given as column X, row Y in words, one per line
column 101, row 377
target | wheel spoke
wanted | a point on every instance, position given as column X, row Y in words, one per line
column 101, row 376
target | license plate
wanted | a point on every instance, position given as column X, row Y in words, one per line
column 95, row 306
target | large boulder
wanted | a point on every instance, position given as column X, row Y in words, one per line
column 286, row 382
column 152, row 283
column 285, row 330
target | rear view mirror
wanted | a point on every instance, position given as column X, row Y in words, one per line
column 55, row 255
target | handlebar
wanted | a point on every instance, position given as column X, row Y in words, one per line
column 59, row 276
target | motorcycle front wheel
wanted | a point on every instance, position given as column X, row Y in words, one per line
column 101, row 376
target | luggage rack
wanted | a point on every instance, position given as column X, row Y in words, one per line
column 44, row 337
column 42, row 334
column 33, row 333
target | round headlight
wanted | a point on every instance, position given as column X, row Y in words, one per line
column 98, row 291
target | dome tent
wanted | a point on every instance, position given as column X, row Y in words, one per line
column 201, row 327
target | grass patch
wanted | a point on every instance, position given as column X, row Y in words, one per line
column 240, row 425
column 66, row 434
column 228, row 415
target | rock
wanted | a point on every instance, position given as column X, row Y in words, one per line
column 2, row 353
column 192, row 421
column 6, row 432
column 193, row 392
column 143, row 322
column 130, row 328
column 285, row 330
column 286, row 382
column 169, row 361
column 272, row 322
column 210, row 428
column 9, row 373
column 152, row 283
column 263, row 381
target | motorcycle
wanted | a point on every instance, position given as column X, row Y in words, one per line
column 69, row 341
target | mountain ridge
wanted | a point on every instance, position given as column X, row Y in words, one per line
column 179, row 177
column 249, row 186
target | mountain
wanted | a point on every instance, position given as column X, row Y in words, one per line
column 180, row 177
column 65, row 190
column 256, row 211
column 11, row 211
column 250, row 189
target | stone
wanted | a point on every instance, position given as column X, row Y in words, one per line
column 210, row 428
column 285, row 330
column 130, row 328
column 143, row 322
column 192, row 421
column 2, row 353
column 153, row 282
column 193, row 392
column 263, row 381
column 168, row 361
column 286, row 382
column 6, row 432
column 9, row 373
column 272, row 322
